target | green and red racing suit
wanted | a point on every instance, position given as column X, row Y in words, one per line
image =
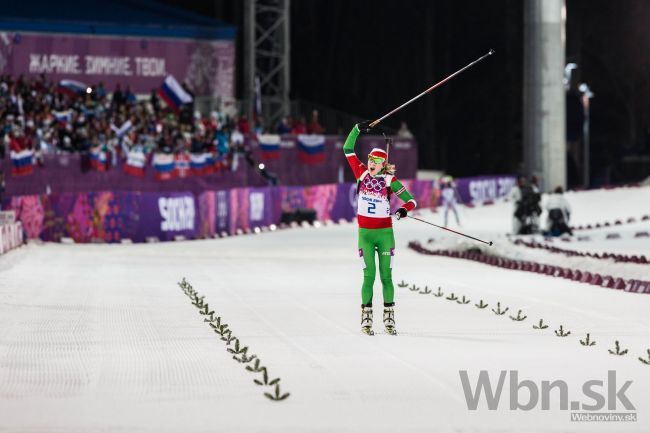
column 375, row 222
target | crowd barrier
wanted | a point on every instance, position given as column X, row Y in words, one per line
column 288, row 162
column 113, row 216
column 11, row 232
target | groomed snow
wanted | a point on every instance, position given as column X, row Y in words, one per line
column 100, row 338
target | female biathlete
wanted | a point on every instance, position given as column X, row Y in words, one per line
column 375, row 184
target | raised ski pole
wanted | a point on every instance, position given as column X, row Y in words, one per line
column 450, row 230
column 439, row 83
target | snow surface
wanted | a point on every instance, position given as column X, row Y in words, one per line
column 99, row 338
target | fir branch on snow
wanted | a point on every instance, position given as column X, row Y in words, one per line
column 587, row 341
column 240, row 352
column 426, row 291
column 481, row 304
column 198, row 301
column 439, row 293
column 244, row 359
column 414, row 289
column 256, row 367
column 214, row 323
column 403, row 284
column 499, row 311
column 277, row 396
column 646, row 361
column 265, row 379
column 237, row 350
column 541, row 325
column 561, row 332
column 222, row 329
column 519, row 317
column 463, row 301
column 617, row 350
column 451, row 297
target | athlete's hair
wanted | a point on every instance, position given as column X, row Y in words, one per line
column 389, row 169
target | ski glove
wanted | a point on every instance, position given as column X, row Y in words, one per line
column 400, row 213
column 364, row 126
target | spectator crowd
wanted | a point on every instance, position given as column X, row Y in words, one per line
column 43, row 116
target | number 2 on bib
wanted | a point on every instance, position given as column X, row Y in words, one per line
column 371, row 208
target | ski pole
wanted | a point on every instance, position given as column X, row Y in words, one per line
column 439, row 83
column 450, row 230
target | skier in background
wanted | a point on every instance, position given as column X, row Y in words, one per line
column 375, row 184
column 448, row 194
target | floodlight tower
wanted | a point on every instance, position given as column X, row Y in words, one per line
column 544, row 95
column 267, row 59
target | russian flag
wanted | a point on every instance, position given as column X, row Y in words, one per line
column 173, row 94
column 98, row 159
column 198, row 162
column 63, row 116
column 22, row 162
column 209, row 163
column 135, row 162
column 164, row 166
column 72, row 87
column 311, row 148
column 269, row 145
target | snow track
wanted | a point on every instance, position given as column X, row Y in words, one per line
column 98, row 338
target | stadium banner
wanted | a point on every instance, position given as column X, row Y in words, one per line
column 106, row 216
column 207, row 66
column 480, row 189
column 111, row 216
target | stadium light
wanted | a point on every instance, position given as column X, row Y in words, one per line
column 89, row 90
column 568, row 69
column 261, row 166
column 587, row 94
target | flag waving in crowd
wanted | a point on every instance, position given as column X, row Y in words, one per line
column 22, row 163
column 173, row 93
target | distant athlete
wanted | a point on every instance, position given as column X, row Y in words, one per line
column 375, row 183
column 448, row 193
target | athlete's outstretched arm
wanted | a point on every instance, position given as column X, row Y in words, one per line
column 358, row 168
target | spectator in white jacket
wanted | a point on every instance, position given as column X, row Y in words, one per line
column 559, row 213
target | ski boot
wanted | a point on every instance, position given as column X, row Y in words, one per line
column 366, row 320
column 389, row 320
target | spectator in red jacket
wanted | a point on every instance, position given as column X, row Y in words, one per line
column 314, row 127
column 299, row 127
column 243, row 125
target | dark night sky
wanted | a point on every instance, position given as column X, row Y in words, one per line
column 367, row 56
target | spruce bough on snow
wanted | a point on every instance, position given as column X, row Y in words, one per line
column 587, row 341
column 499, row 311
column 481, row 304
column 540, row 325
column 561, row 332
column 519, row 317
column 452, row 297
column 239, row 351
column 617, row 349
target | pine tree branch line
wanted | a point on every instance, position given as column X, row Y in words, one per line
column 234, row 345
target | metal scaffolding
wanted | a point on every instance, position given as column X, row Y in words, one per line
column 267, row 58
